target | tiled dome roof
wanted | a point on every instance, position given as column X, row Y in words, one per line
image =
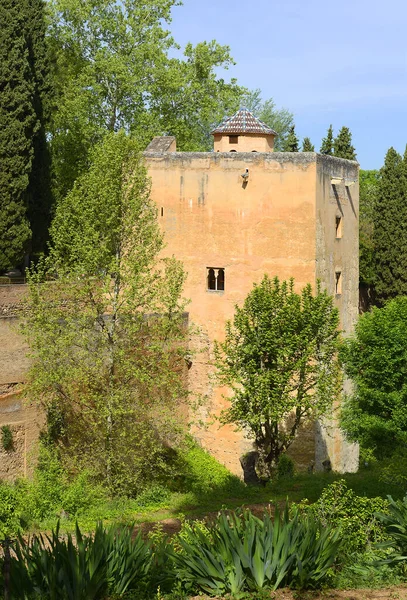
column 243, row 121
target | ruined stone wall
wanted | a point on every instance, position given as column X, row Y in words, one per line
column 23, row 419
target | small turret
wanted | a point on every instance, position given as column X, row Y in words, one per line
column 243, row 132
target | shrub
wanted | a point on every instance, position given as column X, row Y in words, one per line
column 10, row 512
column 285, row 466
column 7, row 438
column 355, row 515
column 203, row 474
column 155, row 494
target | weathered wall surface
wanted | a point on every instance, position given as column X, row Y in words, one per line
column 245, row 143
column 24, row 420
column 211, row 218
column 338, row 254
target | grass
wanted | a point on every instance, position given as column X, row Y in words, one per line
column 198, row 503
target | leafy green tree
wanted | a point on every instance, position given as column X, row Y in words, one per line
column 292, row 143
column 17, row 128
column 279, row 119
column 189, row 99
column 107, row 335
column 280, row 359
column 327, row 145
column 389, row 239
column 375, row 359
column 113, row 70
column 343, row 145
column 307, row 146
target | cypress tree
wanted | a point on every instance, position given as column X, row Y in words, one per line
column 40, row 197
column 327, row 146
column 17, row 126
column 390, row 230
column 307, row 146
column 291, row 144
column 343, row 145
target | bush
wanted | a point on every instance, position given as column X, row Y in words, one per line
column 285, row 466
column 7, row 438
column 340, row 507
column 10, row 511
column 204, row 475
column 156, row 494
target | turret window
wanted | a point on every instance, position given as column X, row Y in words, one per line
column 215, row 279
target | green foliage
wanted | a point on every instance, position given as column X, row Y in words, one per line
column 340, row 508
column 389, row 240
column 242, row 552
column 285, row 466
column 153, row 495
column 204, row 475
column 279, row 119
column 368, row 189
column 11, row 522
column 80, row 568
column 40, row 201
column 327, row 146
column 395, row 523
column 375, row 359
column 113, row 69
column 17, row 127
column 292, row 143
column 279, row 357
column 343, row 145
column 107, row 336
column 7, row 438
column 307, row 145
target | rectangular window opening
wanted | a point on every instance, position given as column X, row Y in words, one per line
column 215, row 279
column 162, row 211
column 338, row 227
column 233, row 139
column 338, row 283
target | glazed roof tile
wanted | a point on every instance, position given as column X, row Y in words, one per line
column 243, row 121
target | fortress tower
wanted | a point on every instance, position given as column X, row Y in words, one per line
column 239, row 212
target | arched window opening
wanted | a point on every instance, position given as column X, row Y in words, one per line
column 221, row 280
column 211, row 279
column 215, row 279
column 232, row 150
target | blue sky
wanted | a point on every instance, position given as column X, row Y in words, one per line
column 342, row 62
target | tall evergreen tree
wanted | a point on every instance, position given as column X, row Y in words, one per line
column 40, row 198
column 327, row 146
column 389, row 229
column 307, row 146
column 292, row 143
column 343, row 145
column 17, row 127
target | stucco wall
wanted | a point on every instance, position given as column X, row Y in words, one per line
column 211, row 218
column 245, row 143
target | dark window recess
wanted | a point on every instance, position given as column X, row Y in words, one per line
column 233, row 139
column 216, row 279
column 338, row 283
column 338, row 227
column 162, row 211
